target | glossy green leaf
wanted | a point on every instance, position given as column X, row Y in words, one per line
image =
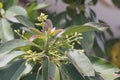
column 81, row 62
column 6, row 32
column 10, row 45
column 24, row 21
column 14, row 11
column 68, row 72
column 13, row 71
column 8, row 57
column 104, row 68
column 87, row 41
column 116, row 2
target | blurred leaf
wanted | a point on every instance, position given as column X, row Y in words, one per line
column 40, row 6
column 24, row 21
column 31, row 76
column 99, row 26
column 6, row 32
column 13, row 71
column 60, row 20
column 85, row 28
column 9, row 3
column 32, row 14
column 104, row 68
column 81, row 62
column 71, row 12
column 14, row 11
column 7, row 58
column 109, row 31
column 10, row 45
column 93, row 16
column 97, row 50
column 79, row 19
column 87, row 41
column 116, row 3
column 68, row 72
column 69, row 1
column 95, row 1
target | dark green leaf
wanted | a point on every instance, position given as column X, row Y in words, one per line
column 10, row 45
column 31, row 76
column 45, row 70
column 79, row 19
column 14, row 11
column 87, row 41
column 60, row 20
column 81, row 62
column 14, row 71
column 6, row 32
column 24, row 21
column 95, row 1
column 9, row 3
column 68, row 72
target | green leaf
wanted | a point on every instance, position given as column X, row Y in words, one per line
column 95, row 1
column 104, row 68
column 53, row 72
column 116, row 3
column 84, row 28
column 81, row 62
column 45, row 70
column 9, row 3
column 69, row 72
column 32, row 14
column 99, row 26
column 40, row 6
column 8, row 57
column 14, row 11
column 31, row 76
column 10, row 45
column 87, row 41
column 50, row 71
column 13, row 71
column 60, row 20
column 24, row 21
column 6, row 32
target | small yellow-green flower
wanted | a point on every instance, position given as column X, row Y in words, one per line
column 41, row 20
column 1, row 5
